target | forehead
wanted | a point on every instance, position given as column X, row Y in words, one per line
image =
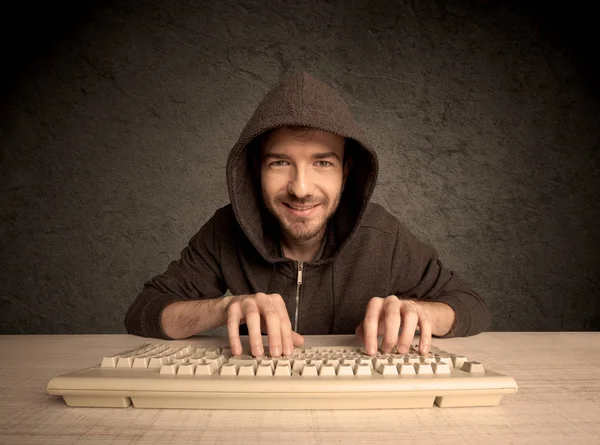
column 284, row 139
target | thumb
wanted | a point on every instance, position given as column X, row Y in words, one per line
column 297, row 338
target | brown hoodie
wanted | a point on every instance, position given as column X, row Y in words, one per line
column 367, row 251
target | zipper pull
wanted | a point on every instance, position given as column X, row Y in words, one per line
column 300, row 272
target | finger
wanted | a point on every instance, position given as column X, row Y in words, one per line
column 425, row 338
column 370, row 324
column 252, row 315
column 410, row 318
column 391, row 324
column 298, row 339
column 287, row 339
column 273, row 323
column 234, row 316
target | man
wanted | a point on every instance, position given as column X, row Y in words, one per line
column 301, row 248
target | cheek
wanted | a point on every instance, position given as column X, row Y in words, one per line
column 272, row 184
column 334, row 187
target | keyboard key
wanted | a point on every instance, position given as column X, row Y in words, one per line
column 349, row 361
column 168, row 369
column 221, row 359
column 345, row 369
column 246, row 369
column 283, row 361
column 186, row 369
column 109, row 362
column 406, row 369
column 427, row 358
column 440, row 368
column 240, row 360
column 333, row 362
column 216, row 350
column 317, row 363
column 364, row 361
column 378, row 362
column 283, row 369
column 423, row 368
column 473, row 367
column 458, row 360
column 203, row 369
column 228, row 369
column 309, row 370
column 445, row 358
column 265, row 370
column 363, row 369
column 327, row 370
column 239, row 364
column 269, row 362
column 388, row 369
column 298, row 366
column 397, row 358
column 141, row 362
column 125, row 362
column 214, row 364
column 200, row 352
column 157, row 362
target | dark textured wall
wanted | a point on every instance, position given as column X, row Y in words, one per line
column 116, row 121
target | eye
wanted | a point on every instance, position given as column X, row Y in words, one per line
column 324, row 164
column 279, row 163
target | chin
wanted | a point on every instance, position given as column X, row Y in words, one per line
column 304, row 233
column 299, row 229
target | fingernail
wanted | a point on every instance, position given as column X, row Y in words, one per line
column 259, row 351
column 287, row 351
column 371, row 350
column 276, row 351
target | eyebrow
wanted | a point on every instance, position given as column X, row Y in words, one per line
column 275, row 156
column 328, row 154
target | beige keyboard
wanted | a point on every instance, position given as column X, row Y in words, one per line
column 334, row 377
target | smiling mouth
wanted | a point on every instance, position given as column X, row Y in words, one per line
column 300, row 208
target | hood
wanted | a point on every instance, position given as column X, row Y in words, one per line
column 300, row 100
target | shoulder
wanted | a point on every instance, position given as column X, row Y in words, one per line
column 225, row 215
column 222, row 219
column 222, row 224
column 378, row 218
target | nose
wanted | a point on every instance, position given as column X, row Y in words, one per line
column 300, row 184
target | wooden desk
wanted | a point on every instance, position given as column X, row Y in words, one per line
column 558, row 400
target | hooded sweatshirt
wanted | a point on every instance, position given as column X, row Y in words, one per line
column 367, row 252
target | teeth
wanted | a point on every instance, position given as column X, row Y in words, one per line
column 301, row 208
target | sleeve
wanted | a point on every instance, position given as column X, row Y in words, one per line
column 196, row 275
column 418, row 274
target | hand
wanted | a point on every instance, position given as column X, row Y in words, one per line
column 384, row 316
column 260, row 311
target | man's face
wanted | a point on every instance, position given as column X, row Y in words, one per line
column 302, row 180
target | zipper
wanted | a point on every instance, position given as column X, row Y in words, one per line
column 298, row 284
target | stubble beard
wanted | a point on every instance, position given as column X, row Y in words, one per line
column 301, row 228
